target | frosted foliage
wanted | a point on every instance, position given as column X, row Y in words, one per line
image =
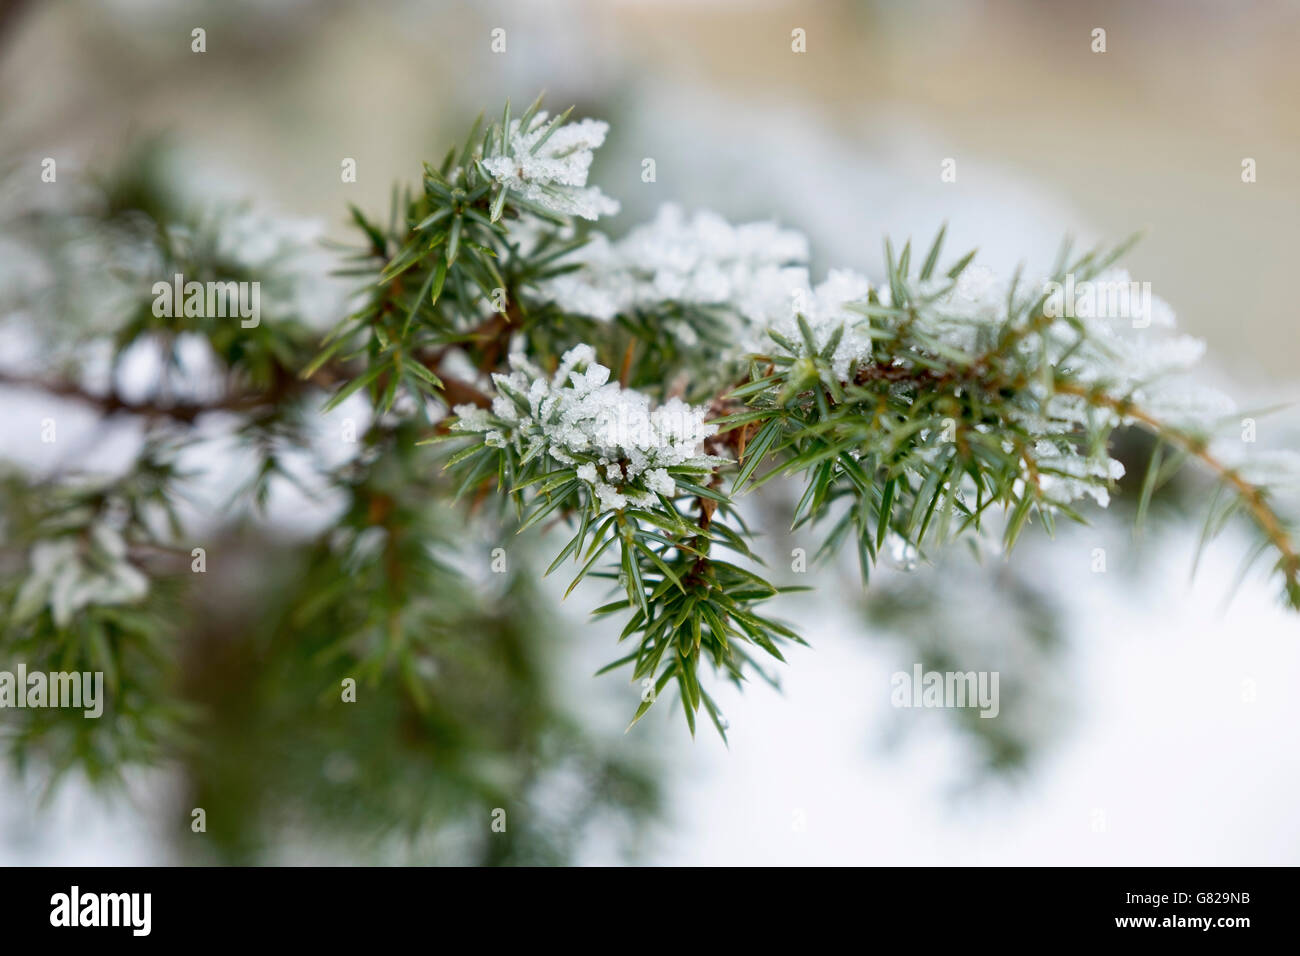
column 620, row 445
column 1129, row 335
column 1112, row 333
column 825, row 311
column 1116, row 334
column 551, row 170
column 700, row 260
column 966, row 311
column 1065, row 475
column 752, row 271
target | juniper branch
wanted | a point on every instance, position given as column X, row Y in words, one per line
column 631, row 392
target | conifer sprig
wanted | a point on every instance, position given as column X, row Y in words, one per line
column 944, row 401
column 632, row 391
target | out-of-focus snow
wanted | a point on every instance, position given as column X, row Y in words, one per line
column 1181, row 750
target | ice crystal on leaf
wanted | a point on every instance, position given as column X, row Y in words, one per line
column 700, row 260
column 626, row 450
column 809, row 321
column 547, row 163
column 753, row 271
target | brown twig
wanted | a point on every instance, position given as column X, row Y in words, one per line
column 1250, row 494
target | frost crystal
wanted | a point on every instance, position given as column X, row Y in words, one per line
column 967, row 311
column 702, row 260
column 549, row 166
column 620, row 446
column 752, row 270
column 825, row 311
column 1106, row 331
column 1129, row 336
column 1066, row 475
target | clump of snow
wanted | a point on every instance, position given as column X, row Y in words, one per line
column 779, row 298
column 700, row 260
column 621, row 446
column 753, row 270
column 549, row 166
column 1112, row 333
